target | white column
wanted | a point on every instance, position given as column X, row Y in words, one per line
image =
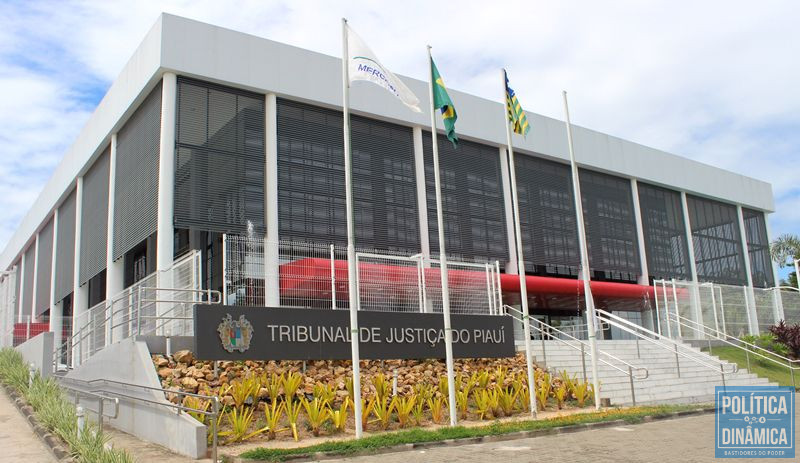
column 115, row 269
column 422, row 207
column 21, row 286
column 271, row 251
column 508, row 206
column 80, row 299
column 166, row 175
column 695, row 291
column 751, row 296
column 422, row 198
column 777, row 296
column 644, row 278
column 55, row 311
column 35, row 277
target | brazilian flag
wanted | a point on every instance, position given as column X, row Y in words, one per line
column 441, row 100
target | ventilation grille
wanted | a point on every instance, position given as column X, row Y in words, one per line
column 311, row 191
column 472, row 200
column 758, row 247
column 94, row 218
column 610, row 226
column 65, row 242
column 220, row 158
column 136, row 183
column 44, row 268
column 547, row 216
column 664, row 233
column 717, row 242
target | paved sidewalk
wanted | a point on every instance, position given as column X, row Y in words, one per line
column 18, row 443
column 689, row 439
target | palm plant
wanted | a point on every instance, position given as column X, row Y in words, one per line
column 784, row 250
column 290, row 384
column 382, row 408
column 435, row 406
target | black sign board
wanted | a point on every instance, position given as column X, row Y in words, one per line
column 267, row 333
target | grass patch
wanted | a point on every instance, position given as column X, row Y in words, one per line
column 764, row 368
column 57, row 414
column 630, row 415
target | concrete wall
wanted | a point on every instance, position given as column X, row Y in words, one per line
column 39, row 351
column 129, row 361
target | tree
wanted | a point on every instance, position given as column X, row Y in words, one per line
column 784, row 250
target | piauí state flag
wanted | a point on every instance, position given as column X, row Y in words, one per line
column 516, row 115
column 441, row 100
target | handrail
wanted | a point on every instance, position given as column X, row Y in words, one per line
column 632, row 328
column 583, row 344
column 100, row 397
column 739, row 345
column 214, row 413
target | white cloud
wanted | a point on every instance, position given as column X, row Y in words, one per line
column 714, row 81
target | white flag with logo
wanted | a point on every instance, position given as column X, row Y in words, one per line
column 364, row 65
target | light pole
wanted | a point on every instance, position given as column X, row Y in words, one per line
column 797, row 273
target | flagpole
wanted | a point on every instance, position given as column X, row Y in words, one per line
column 352, row 284
column 448, row 333
column 523, row 286
column 591, row 322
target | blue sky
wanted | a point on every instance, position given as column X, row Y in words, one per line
column 715, row 81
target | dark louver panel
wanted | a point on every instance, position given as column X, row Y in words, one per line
column 311, row 191
column 44, row 268
column 65, row 246
column 610, row 226
column 717, row 242
column 547, row 216
column 758, row 247
column 220, row 159
column 472, row 200
column 94, row 218
column 27, row 284
column 136, row 195
column 664, row 233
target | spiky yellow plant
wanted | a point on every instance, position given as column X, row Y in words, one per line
column 507, row 397
column 382, row 387
column 317, row 412
column 199, row 406
column 292, row 413
column 339, row 416
column 435, row 405
column 382, row 409
column 272, row 416
column 240, row 421
column 482, row 407
column 561, row 394
column 404, row 406
column 543, row 391
column 324, row 392
column 244, row 389
column 290, row 383
column 366, row 410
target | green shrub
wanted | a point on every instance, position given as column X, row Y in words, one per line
column 56, row 413
column 766, row 341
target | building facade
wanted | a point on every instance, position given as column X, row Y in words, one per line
column 210, row 132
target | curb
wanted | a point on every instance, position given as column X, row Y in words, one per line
column 317, row 456
column 52, row 442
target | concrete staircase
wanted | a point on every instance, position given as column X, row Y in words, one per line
column 663, row 385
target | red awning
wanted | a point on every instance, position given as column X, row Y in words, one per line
column 310, row 277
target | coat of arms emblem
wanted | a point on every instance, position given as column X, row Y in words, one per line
column 235, row 334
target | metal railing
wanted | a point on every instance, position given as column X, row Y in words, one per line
column 666, row 344
column 739, row 343
column 545, row 330
column 91, row 387
column 100, row 397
